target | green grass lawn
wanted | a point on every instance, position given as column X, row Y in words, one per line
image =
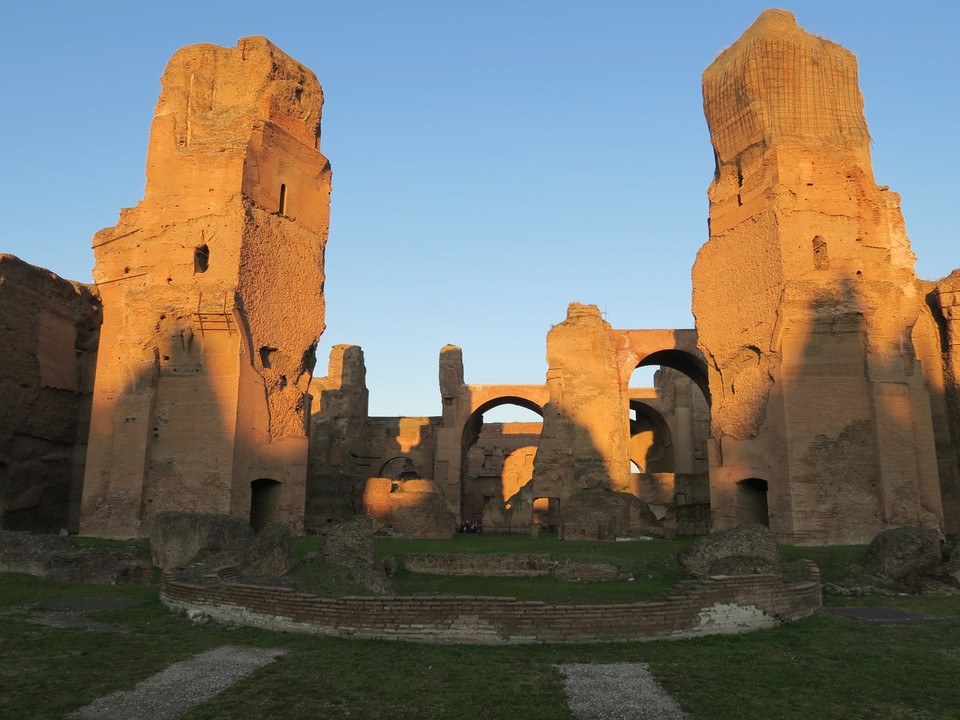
column 652, row 563
column 823, row 667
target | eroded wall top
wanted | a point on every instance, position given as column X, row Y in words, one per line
column 213, row 101
column 779, row 82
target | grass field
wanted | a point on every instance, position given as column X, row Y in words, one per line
column 653, row 565
column 821, row 667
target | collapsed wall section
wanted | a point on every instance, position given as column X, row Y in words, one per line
column 348, row 447
column 585, row 423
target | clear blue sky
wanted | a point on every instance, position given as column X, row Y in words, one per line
column 493, row 161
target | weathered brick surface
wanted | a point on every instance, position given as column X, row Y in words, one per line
column 55, row 557
column 49, row 329
column 515, row 565
column 820, row 421
column 213, row 294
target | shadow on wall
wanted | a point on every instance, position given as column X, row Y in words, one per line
column 347, row 447
column 496, row 459
column 830, row 436
column 651, row 442
column 936, row 342
column 190, row 432
column 467, row 462
column 49, row 329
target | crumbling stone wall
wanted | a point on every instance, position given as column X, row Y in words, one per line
column 936, row 337
column 413, row 508
column 805, row 298
column 498, row 465
column 56, row 557
column 347, row 446
column 585, row 429
column 588, row 438
column 213, row 299
column 469, row 451
column 49, row 328
column 482, row 470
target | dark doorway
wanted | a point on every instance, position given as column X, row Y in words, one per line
column 752, row 501
column 264, row 499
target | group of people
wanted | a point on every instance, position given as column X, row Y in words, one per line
column 470, row 527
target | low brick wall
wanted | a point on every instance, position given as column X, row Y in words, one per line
column 714, row 606
column 515, row 565
column 482, row 564
column 55, row 557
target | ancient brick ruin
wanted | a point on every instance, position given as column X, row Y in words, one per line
column 807, row 303
column 200, row 400
column 492, row 473
column 49, row 329
column 818, row 393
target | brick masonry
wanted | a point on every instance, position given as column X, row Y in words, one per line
column 718, row 605
column 516, row 565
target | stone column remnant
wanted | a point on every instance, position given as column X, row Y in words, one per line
column 212, row 289
column 805, row 298
column 586, row 422
column 448, row 470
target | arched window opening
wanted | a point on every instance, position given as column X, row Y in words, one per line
column 752, row 501
column 498, row 447
column 546, row 514
column 282, row 209
column 201, row 258
column 644, row 375
column 264, row 502
column 400, row 468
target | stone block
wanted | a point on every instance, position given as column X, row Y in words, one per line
column 179, row 538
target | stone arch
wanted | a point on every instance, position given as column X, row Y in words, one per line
column 691, row 365
column 657, row 454
column 399, row 467
column 469, row 436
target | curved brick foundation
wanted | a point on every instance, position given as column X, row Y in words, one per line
column 715, row 606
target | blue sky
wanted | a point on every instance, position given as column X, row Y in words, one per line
column 493, row 161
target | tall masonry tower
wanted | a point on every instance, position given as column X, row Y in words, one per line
column 212, row 289
column 806, row 299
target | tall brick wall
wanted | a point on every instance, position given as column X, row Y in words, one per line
column 49, row 328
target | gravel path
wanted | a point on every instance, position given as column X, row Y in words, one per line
column 182, row 686
column 618, row 691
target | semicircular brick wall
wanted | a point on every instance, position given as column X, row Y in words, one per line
column 725, row 604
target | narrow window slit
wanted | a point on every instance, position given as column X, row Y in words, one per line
column 201, row 259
